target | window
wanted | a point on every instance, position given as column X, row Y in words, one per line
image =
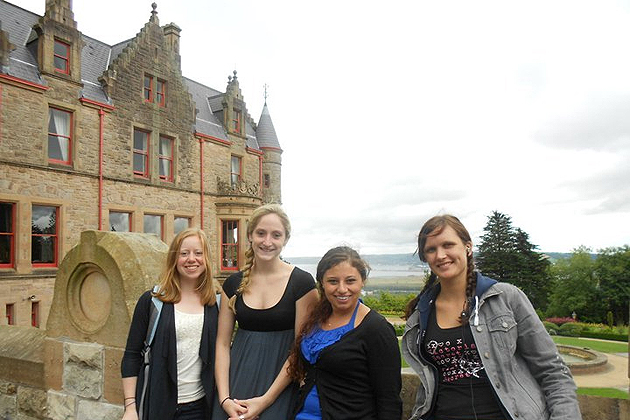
column 10, row 311
column 141, row 153
column 59, row 136
column 62, row 57
column 165, row 158
column 120, row 221
column 180, row 223
column 148, row 88
column 266, row 180
column 7, row 234
column 236, row 121
column 161, row 93
column 153, row 224
column 44, row 236
column 35, row 314
column 235, row 171
column 229, row 245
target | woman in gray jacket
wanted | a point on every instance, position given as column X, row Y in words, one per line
column 478, row 346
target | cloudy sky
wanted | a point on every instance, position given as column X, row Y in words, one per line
column 391, row 112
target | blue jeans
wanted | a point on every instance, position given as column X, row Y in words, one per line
column 195, row 410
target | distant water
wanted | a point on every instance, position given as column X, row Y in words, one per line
column 380, row 270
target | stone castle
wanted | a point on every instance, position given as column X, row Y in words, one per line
column 115, row 138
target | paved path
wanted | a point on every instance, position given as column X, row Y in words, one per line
column 614, row 376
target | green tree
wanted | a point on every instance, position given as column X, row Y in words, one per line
column 613, row 272
column 575, row 287
column 506, row 254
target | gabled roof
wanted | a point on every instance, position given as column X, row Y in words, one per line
column 96, row 57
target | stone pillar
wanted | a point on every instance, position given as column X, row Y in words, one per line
column 96, row 290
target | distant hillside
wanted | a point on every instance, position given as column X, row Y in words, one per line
column 372, row 259
column 407, row 259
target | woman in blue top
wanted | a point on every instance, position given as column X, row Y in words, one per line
column 346, row 354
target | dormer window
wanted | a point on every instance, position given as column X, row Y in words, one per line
column 236, row 121
column 62, row 57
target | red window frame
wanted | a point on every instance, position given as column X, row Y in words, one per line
column 57, row 135
column 236, row 121
column 147, row 88
column 10, row 313
column 54, row 236
column 229, row 250
column 160, row 92
column 235, row 177
column 35, row 314
column 168, row 159
column 64, row 58
column 144, row 220
column 141, row 152
column 129, row 214
column 10, row 234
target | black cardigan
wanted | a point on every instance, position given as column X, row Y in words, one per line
column 162, row 394
column 358, row 377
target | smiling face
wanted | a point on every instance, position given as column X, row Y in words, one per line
column 447, row 255
column 190, row 262
column 268, row 238
column 342, row 286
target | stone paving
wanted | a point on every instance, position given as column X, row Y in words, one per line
column 614, row 376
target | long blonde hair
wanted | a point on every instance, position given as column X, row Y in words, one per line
column 258, row 214
column 170, row 288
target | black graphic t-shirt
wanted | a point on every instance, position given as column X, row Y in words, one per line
column 464, row 391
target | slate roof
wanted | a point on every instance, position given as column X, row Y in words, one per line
column 266, row 133
column 96, row 56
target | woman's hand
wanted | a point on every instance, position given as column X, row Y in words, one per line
column 233, row 409
column 253, row 408
column 130, row 413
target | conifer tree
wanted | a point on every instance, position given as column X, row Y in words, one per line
column 506, row 254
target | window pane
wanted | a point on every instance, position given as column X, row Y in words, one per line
column 6, row 217
column 180, row 223
column 61, row 49
column 5, row 249
column 59, row 122
column 166, row 146
column 236, row 165
column 140, row 140
column 44, row 220
column 139, row 162
column 119, row 222
column 153, row 224
column 43, row 249
column 54, row 148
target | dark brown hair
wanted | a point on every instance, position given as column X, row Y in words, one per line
column 323, row 309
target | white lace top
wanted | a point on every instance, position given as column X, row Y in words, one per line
column 188, row 331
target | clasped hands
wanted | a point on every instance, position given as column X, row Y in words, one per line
column 248, row 409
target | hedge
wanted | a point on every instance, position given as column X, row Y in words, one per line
column 604, row 336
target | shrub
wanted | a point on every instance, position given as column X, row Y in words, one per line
column 570, row 329
column 560, row 320
column 550, row 326
column 610, row 320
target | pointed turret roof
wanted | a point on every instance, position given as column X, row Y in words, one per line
column 265, row 133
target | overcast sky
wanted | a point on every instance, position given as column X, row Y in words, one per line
column 391, row 112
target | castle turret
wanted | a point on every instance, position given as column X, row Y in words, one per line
column 272, row 159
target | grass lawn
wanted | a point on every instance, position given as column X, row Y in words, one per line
column 604, row 392
column 597, row 345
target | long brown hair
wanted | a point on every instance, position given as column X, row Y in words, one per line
column 432, row 227
column 258, row 214
column 170, row 288
column 322, row 311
